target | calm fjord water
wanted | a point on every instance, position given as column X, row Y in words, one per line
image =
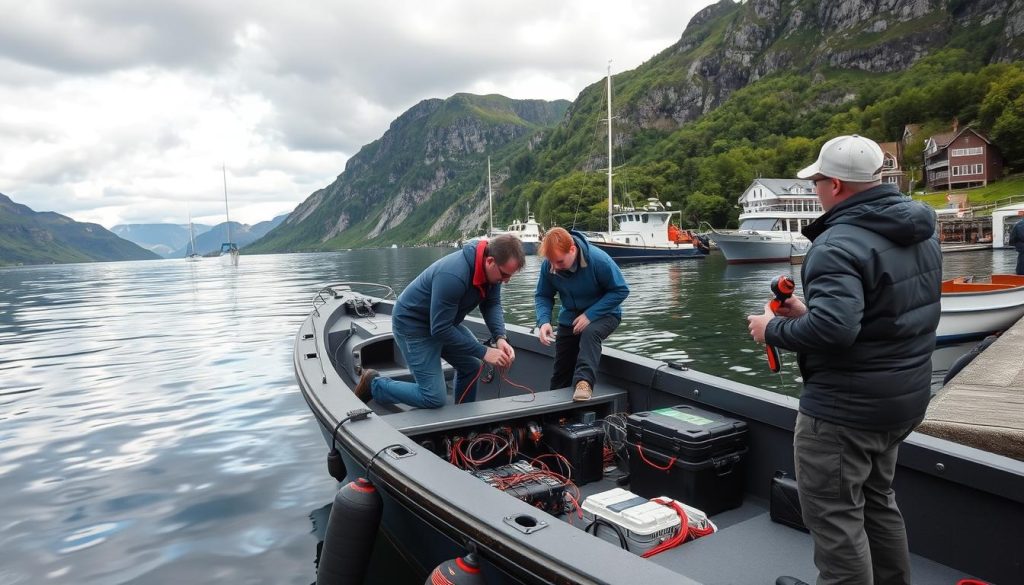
column 151, row 430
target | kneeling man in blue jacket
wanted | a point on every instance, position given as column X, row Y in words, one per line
column 591, row 288
column 427, row 324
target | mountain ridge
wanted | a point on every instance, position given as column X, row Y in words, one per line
column 421, row 168
column 45, row 237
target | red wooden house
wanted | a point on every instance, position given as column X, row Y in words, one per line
column 961, row 159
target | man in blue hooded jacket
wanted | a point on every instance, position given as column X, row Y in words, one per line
column 591, row 288
column 864, row 339
column 427, row 325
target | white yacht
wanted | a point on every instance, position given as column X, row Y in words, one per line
column 774, row 212
column 527, row 231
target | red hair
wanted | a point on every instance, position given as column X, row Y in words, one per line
column 556, row 239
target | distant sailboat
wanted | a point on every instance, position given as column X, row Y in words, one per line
column 229, row 247
column 192, row 255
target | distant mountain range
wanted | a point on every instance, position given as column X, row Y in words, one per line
column 171, row 240
column 31, row 237
column 161, row 238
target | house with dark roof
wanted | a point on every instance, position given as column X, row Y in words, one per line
column 960, row 159
column 892, row 165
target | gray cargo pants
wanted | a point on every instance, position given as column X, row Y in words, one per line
column 844, row 476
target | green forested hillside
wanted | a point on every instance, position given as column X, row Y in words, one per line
column 774, row 127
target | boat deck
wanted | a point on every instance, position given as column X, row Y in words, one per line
column 751, row 549
column 747, row 549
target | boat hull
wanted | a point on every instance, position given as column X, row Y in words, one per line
column 749, row 246
column 628, row 253
column 968, row 316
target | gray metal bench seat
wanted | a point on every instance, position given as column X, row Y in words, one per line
column 419, row 421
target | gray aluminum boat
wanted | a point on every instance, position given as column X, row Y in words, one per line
column 964, row 508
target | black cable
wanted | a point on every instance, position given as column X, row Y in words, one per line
column 623, row 543
column 369, row 466
column 357, row 414
column 341, row 344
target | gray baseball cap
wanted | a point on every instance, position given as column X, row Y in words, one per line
column 847, row 158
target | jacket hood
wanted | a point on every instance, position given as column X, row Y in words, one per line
column 883, row 210
column 582, row 243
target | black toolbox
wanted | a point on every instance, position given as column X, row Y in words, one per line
column 688, row 454
column 582, row 445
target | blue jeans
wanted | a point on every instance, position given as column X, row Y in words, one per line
column 423, row 355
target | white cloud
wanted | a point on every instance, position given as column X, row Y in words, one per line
column 122, row 112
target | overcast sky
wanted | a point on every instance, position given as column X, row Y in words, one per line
column 122, row 111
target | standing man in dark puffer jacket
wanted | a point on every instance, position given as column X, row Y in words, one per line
column 864, row 338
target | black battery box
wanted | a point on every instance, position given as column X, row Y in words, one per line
column 688, row 454
column 582, row 444
column 523, row 481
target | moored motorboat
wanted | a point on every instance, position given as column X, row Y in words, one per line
column 643, row 233
column 973, row 308
column 436, row 506
column 643, row 236
column 747, row 246
column 774, row 212
column 528, row 232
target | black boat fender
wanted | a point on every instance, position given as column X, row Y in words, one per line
column 968, row 357
column 335, row 465
column 351, row 532
column 703, row 243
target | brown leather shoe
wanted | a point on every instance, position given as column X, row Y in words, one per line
column 583, row 391
column 362, row 389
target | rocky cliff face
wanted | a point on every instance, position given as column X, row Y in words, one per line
column 728, row 46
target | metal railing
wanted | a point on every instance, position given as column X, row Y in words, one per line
column 787, row 208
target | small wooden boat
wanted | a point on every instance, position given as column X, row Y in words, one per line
column 963, row 507
column 974, row 308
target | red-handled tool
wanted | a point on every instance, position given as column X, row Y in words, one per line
column 782, row 287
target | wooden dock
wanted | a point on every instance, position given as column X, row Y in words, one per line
column 983, row 405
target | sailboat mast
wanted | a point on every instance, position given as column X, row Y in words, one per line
column 191, row 233
column 490, row 202
column 227, row 217
column 609, row 147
